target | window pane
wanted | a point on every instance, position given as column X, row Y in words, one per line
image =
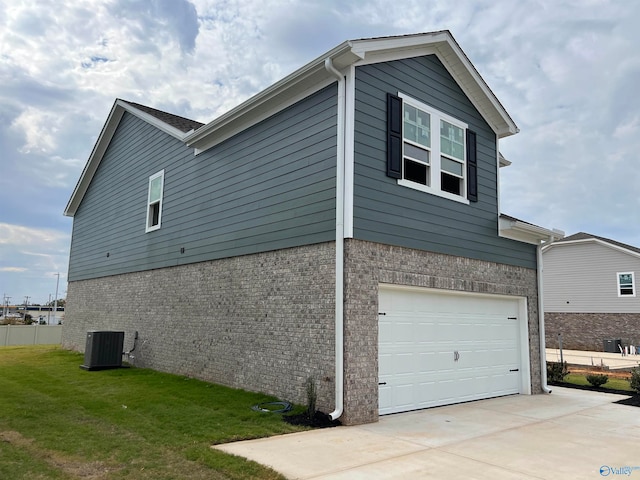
column 451, row 184
column 155, row 189
column 626, row 278
column 410, row 114
column 415, row 152
column 416, row 172
column 417, row 126
column 451, row 140
column 154, row 214
column 451, row 166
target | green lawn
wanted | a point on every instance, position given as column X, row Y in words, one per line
column 58, row 421
column 613, row 383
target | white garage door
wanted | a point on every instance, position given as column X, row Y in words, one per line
column 438, row 348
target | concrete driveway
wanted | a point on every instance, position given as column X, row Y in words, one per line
column 568, row 434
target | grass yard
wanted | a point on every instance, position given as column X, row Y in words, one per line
column 58, row 421
column 612, row 383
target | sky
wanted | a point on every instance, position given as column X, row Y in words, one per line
column 568, row 73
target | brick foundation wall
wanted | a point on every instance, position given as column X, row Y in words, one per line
column 265, row 322
column 588, row 331
column 262, row 322
column 368, row 264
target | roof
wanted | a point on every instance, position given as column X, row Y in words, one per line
column 181, row 123
column 174, row 125
column 582, row 237
column 353, row 53
column 516, row 229
column 297, row 86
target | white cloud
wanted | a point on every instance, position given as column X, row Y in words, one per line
column 13, row 269
column 568, row 72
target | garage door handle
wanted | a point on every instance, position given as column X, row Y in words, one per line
column 382, row 383
column 514, row 370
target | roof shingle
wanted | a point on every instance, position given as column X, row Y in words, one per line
column 181, row 123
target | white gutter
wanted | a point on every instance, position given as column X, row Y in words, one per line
column 543, row 345
column 339, row 320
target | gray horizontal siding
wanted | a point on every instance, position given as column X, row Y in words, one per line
column 385, row 212
column 581, row 278
column 269, row 187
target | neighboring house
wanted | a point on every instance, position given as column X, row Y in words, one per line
column 369, row 176
column 590, row 292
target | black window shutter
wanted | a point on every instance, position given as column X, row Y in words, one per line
column 394, row 136
column 472, row 167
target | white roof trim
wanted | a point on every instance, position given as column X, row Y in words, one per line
column 357, row 52
column 503, row 161
column 569, row 243
column 526, row 232
column 104, row 139
column 304, row 81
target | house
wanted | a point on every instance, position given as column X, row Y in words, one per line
column 590, row 294
column 341, row 225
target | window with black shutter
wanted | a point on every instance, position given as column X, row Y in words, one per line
column 429, row 150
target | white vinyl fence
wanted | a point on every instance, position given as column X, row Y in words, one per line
column 30, row 334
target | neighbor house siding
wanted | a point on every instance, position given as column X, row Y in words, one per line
column 386, row 212
column 270, row 187
column 582, row 278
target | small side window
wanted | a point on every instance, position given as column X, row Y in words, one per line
column 626, row 284
column 154, row 201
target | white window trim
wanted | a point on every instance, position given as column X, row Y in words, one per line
column 149, row 228
column 633, row 284
column 435, row 153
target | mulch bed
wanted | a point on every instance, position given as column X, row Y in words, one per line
column 633, row 400
column 319, row 420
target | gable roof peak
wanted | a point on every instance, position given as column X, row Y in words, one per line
column 583, row 236
column 183, row 124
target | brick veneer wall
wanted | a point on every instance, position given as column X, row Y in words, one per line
column 588, row 331
column 262, row 322
column 368, row 264
column 265, row 322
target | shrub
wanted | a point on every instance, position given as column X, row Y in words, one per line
column 597, row 380
column 312, row 396
column 556, row 371
column 634, row 381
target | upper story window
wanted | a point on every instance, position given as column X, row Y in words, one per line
column 154, row 201
column 626, row 284
column 431, row 151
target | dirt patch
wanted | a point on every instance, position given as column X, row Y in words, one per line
column 73, row 467
column 587, row 370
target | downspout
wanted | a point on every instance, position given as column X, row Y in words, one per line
column 543, row 359
column 339, row 314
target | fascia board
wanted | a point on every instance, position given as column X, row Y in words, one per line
column 159, row 124
column 503, row 162
column 99, row 148
column 474, row 86
column 592, row 240
column 524, row 232
column 443, row 45
column 283, row 92
column 272, row 98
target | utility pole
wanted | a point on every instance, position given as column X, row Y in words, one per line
column 26, row 302
column 49, row 316
column 5, row 304
column 55, row 315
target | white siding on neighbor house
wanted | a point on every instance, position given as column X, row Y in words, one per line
column 582, row 278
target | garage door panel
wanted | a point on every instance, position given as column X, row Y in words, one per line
column 437, row 349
